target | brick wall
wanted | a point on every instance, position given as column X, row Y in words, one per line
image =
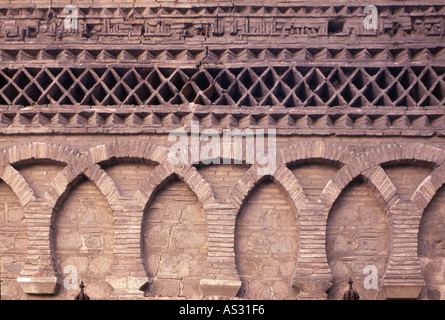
column 87, row 190
column 431, row 253
column 14, row 242
column 342, row 216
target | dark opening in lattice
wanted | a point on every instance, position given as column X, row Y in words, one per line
column 248, row 86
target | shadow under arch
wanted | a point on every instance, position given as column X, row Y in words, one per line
column 317, row 150
column 40, row 151
column 413, row 152
column 139, row 150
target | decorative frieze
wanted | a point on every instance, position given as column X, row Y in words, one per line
column 162, row 119
column 222, row 23
column 160, row 55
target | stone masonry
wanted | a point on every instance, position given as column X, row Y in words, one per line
column 91, row 90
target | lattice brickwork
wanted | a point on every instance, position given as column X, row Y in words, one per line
column 287, row 86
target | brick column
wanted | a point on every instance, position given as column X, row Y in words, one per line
column 38, row 275
column 313, row 276
column 403, row 277
column 127, row 275
column 220, row 277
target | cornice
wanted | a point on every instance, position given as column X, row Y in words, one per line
column 320, row 121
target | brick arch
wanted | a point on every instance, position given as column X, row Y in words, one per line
column 198, row 184
column 125, row 213
column 68, row 179
column 314, row 278
column 236, row 195
column 43, row 151
column 72, row 173
column 54, row 197
column 39, row 150
column 122, row 150
column 402, row 152
column 18, row 184
column 316, row 150
column 159, row 179
column 428, row 188
column 98, row 177
column 291, row 184
column 244, row 186
column 353, row 166
column 87, row 163
column 364, row 164
column 379, row 181
column 283, row 179
column 104, row 183
column 39, row 210
column 375, row 175
column 301, row 151
column 336, row 185
column 164, row 172
column 368, row 165
column 29, row 152
column 75, row 168
column 282, row 175
column 376, row 180
column 127, row 149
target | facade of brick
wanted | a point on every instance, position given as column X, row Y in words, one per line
column 91, row 91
